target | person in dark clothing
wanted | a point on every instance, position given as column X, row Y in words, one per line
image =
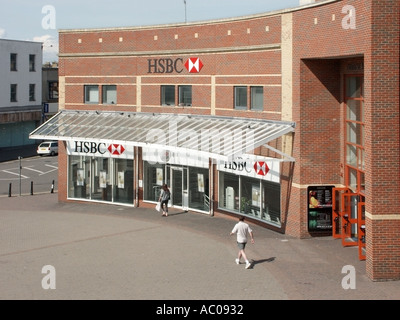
column 165, row 195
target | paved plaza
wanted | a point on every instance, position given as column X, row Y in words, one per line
column 109, row 252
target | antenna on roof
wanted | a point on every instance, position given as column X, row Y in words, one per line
column 184, row 1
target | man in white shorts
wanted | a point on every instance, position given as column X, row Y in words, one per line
column 242, row 229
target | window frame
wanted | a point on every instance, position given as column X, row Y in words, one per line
column 13, row 92
column 13, row 62
column 32, row 63
column 32, row 92
column 105, row 91
column 252, row 106
column 237, row 97
column 86, row 92
column 52, row 88
column 181, row 92
column 163, row 95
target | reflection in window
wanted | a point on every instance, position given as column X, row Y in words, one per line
column 110, row 94
column 91, row 94
column 240, row 97
column 168, row 95
column 257, row 98
column 185, row 95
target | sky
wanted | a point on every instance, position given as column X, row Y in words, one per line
column 40, row 20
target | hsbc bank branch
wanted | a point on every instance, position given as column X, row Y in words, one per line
column 289, row 118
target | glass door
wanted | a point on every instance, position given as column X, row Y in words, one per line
column 180, row 192
column 349, row 219
column 337, row 208
column 177, row 186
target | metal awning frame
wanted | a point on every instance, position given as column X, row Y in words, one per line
column 189, row 134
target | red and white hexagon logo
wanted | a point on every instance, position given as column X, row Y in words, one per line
column 194, row 65
column 261, row 168
column 116, row 149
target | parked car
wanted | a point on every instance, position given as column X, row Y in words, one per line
column 48, row 148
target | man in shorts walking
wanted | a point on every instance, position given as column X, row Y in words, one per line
column 242, row 230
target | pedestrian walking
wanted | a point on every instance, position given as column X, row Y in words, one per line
column 242, row 231
column 165, row 195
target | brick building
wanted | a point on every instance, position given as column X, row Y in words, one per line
column 290, row 118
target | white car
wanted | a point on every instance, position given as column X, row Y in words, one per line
column 48, row 148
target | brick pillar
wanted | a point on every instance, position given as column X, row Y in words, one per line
column 382, row 142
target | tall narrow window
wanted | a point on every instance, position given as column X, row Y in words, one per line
column 32, row 66
column 355, row 128
column 168, row 95
column 109, row 94
column 185, row 95
column 92, row 94
column 240, row 97
column 13, row 62
column 13, row 93
column 53, row 90
column 32, row 88
column 257, row 98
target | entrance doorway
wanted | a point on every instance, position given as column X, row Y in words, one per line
column 349, row 202
column 179, row 177
column 189, row 187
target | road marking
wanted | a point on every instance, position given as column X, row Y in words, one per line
column 27, row 168
column 48, row 165
column 17, row 174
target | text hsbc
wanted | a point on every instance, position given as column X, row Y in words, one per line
column 165, row 65
column 90, row 147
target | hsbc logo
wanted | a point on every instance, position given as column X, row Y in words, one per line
column 98, row 148
column 193, row 65
column 261, row 168
column 116, row 149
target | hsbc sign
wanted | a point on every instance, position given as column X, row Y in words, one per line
column 253, row 166
column 168, row 65
column 99, row 149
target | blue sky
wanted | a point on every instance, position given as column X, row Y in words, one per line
column 32, row 19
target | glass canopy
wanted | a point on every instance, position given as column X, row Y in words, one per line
column 219, row 138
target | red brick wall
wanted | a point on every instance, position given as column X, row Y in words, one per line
column 382, row 141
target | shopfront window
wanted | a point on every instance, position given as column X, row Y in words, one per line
column 229, row 191
column 100, row 179
column 199, row 189
column 154, row 175
column 251, row 197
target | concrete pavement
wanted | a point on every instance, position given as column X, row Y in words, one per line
column 109, row 252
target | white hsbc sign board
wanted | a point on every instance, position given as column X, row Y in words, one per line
column 254, row 167
column 99, row 149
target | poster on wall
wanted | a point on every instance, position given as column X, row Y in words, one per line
column 103, row 179
column 200, row 182
column 159, row 176
column 255, row 196
column 121, row 178
column 319, row 208
column 80, row 177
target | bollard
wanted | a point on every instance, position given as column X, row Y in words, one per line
column 52, row 187
column 31, row 188
column 9, row 190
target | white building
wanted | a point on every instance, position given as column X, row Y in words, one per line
column 20, row 91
